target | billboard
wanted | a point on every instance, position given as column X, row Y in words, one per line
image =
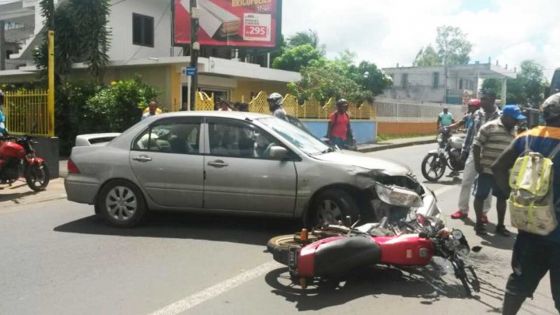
column 235, row 23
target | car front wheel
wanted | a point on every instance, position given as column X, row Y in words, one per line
column 332, row 206
column 121, row 204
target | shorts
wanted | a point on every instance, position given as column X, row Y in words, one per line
column 534, row 256
column 486, row 183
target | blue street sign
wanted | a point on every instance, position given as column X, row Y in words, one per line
column 190, row 71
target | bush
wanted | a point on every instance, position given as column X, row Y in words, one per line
column 117, row 107
column 88, row 108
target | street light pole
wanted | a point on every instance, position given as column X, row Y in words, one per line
column 195, row 49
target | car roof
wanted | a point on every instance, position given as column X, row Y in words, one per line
column 237, row 115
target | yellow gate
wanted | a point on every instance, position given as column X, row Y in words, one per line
column 27, row 112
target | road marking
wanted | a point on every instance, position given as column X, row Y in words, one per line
column 215, row 290
column 193, row 300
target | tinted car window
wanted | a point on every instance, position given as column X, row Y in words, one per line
column 170, row 136
column 242, row 140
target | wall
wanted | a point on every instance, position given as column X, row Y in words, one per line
column 120, row 22
column 388, row 128
column 365, row 131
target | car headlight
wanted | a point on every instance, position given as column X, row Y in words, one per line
column 398, row 196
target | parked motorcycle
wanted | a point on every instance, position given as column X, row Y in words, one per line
column 18, row 159
column 448, row 154
column 335, row 250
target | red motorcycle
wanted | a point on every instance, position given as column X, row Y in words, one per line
column 18, row 159
column 335, row 250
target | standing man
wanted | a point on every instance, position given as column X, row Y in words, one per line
column 488, row 112
column 275, row 101
column 492, row 139
column 339, row 131
column 445, row 118
column 534, row 255
column 472, row 106
column 152, row 110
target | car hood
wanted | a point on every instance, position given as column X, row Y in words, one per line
column 366, row 161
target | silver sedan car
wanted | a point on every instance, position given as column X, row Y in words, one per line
column 235, row 163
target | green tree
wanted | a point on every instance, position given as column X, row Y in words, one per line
column 453, row 47
column 530, row 85
column 81, row 35
column 427, row 57
column 294, row 58
column 370, row 78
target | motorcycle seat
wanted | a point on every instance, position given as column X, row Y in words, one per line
column 342, row 255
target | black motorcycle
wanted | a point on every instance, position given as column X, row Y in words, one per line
column 448, row 154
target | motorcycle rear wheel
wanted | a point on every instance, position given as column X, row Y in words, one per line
column 37, row 177
column 433, row 164
column 280, row 246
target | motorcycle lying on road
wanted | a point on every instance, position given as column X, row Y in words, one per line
column 335, row 250
column 18, row 159
column 448, row 154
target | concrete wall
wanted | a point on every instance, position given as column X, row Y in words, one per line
column 120, row 22
column 365, row 131
column 406, row 128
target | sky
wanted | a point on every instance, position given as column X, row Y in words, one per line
column 388, row 32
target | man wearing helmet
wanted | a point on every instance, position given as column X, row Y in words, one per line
column 486, row 113
column 275, row 101
column 339, row 131
column 534, row 255
column 472, row 106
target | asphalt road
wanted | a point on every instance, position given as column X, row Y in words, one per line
column 57, row 258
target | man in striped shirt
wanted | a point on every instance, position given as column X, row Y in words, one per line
column 492, row 139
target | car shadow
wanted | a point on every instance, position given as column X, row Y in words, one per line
column 428, row 289
column 245, row 230
column 448, row 182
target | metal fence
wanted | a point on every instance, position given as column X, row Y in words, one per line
column 381, row 109
column 27, row 112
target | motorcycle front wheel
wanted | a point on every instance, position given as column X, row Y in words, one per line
column 37, row 176
column 433, row 167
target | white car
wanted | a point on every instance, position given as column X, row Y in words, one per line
column 235, row 163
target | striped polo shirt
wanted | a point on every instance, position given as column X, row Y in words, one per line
column 493, row 138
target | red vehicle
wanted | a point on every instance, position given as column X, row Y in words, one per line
column 17, row 159
column 333, row 251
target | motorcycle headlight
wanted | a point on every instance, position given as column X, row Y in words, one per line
column 398, row 196
column 457, row 234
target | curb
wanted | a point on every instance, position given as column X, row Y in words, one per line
column 396, row 145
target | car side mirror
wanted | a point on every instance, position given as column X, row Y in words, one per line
column 278, row 153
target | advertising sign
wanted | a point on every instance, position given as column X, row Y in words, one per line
column 236, row 23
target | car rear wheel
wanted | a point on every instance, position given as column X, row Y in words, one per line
column 121, row 204
column 332, row 206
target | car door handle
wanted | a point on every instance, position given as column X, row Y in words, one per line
column 142, row 158
column 218, row 163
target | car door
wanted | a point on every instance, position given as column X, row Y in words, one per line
column 240, row 175
column 168, row 164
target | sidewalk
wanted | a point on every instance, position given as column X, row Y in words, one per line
column 20, row 194
column 396, row 143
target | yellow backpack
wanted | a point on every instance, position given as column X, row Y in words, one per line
column 531, row 202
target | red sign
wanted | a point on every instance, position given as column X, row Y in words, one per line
column 237, row 23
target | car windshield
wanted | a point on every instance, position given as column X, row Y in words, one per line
column 301, row 139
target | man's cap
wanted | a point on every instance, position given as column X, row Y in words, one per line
column 551, row 107
column 514, row 112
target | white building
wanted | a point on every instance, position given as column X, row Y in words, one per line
column 141, row 44
column 430, row 84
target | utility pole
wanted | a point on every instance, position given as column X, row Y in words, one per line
column 195, row 49
column 2, row 46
